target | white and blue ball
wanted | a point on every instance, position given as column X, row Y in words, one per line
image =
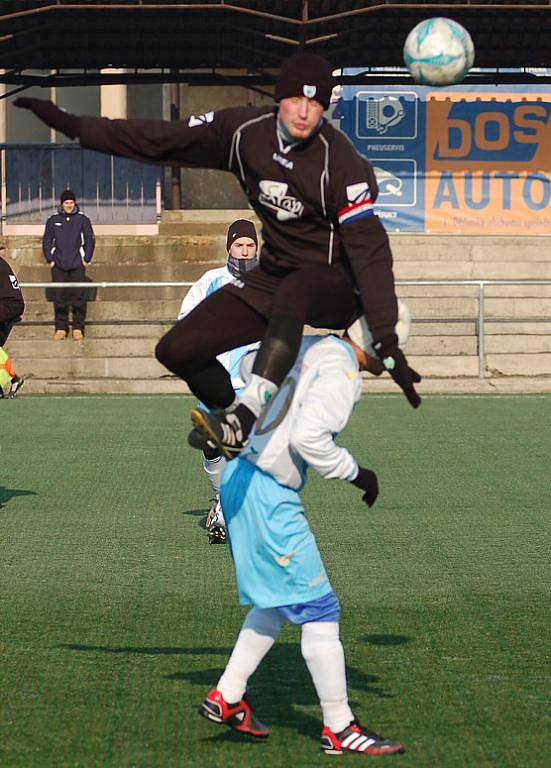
column 438, row 51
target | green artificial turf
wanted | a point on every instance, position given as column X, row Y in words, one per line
column 117, row 616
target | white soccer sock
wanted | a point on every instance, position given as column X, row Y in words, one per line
column 213, row 469
column 324, row 656
column 259, row 632
column 257, row 394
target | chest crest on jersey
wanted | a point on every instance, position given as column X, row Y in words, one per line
column 273, row 195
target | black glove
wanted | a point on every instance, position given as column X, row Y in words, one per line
column 394, row 361
column 51, row 115
column 367, row 481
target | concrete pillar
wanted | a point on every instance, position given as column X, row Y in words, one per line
column 3, row 134
column 3, row 131
column 53, row 97
column 113, row 99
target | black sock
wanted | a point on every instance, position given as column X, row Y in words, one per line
column 246, row 418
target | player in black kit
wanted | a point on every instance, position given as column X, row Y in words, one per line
column 326, row 256
column 12, row 307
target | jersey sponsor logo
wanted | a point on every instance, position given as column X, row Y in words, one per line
column 14, row 283
column 285, row 560
column 196, row 120
column 317, row 581
column 273, row 195
column 359, row 205
column 309, row 91
column 283, row 161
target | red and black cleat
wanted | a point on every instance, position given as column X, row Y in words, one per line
column 238, row 716
column 356, row 738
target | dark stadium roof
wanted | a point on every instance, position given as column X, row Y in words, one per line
column 193, row 41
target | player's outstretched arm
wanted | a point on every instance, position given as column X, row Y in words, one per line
column 51, row 115
column 202, row 142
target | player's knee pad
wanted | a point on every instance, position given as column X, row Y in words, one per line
column 319, row 637
column 279, row 348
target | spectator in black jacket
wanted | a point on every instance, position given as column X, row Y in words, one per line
column 11, row 309
column 68, row 245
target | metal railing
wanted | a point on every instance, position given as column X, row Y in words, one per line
column 480, row 320
column 109, row 189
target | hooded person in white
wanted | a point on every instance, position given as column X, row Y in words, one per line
column 278, row 566
column 241, row 245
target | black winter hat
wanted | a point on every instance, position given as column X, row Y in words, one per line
column 68, row 194
column 305, row 74
column 241, row 228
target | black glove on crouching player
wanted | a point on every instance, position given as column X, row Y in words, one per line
column 51, row 115
column 367, row 481
column 394, row 361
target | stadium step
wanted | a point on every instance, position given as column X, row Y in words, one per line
column 125, row 324
column 146, row 367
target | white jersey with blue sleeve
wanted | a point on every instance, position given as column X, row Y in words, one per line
column 210, row 282
column 311, row 407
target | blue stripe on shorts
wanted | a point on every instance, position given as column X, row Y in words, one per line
column 326, row 608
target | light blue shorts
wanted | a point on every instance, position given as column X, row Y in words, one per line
column 277, row 561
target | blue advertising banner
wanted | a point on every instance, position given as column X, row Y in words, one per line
column 460, row 159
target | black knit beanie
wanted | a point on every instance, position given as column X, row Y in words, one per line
column 305, row 74
column 68, row 194
column 241, row 228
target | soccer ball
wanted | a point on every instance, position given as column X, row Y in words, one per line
column 438, row 51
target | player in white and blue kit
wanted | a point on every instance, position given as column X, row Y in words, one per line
column 241, row 244
column 278, row 565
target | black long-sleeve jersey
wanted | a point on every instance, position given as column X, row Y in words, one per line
column 11, row 299
column 315, row 199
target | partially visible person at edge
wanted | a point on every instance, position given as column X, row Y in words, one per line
column 68, row 246
column 12, row 307
column 241, row 247
column 278, row 565
column 326, row 255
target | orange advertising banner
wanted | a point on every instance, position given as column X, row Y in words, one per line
column 488, row 161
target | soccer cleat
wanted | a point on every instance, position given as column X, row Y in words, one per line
column 215, row 523
column 356, row 738
column 238, row 716
column 220, row 428
column 217, row 534
column 213, row 512
column 16, row 384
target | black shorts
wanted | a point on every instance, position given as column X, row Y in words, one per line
column 322, row 296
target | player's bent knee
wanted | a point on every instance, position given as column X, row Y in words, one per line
column 171, row 353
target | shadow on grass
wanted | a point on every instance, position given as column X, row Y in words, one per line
column 149, row 651
column 197, row 512
column 9, row 493
column 281, row 685
column 283, row 689
column 387, row 639
column 201, row 513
